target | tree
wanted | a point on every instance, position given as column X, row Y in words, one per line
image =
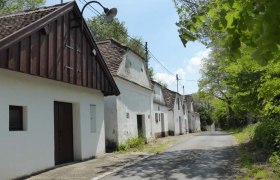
column 214, row 82
column 117, row 30
column 11, row 6
column 236, row 82
column 231, row 23
column 203, row 107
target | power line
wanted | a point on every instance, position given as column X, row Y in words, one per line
column 92, row 9
column 95, row 11
column 153, row 56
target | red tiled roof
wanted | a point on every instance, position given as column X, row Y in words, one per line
column 14, row 22
column 169, row 97
column 113, row 54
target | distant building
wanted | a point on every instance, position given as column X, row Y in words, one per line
column 174, row 102
column 160, row 112
column 128, row 115
column 193, row 117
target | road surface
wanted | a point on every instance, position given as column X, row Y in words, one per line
column 209, row 155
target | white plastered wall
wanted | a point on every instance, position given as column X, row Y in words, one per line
column 178, row 113
column 134, row 100
column 32, row 150
column 157, row 126
column 110, row 116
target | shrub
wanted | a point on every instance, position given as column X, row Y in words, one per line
column 267, row 135
column 275, row 162
column 132, row 143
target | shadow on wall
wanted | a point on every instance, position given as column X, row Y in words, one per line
column 216, row 163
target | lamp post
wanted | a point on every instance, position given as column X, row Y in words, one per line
column 110, row 13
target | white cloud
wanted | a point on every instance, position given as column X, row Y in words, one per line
column 189, row 71
column 194, row 64
column 168, row 78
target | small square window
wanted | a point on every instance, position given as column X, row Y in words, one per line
column 16, row 122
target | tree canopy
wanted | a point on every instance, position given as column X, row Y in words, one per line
column 117, row 30
column 242, row 73
column 231, row 23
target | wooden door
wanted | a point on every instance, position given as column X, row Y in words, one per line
column 140, row 126
column 162, row 125
column 180, row 126
column 63, row 132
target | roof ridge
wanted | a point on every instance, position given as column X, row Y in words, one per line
column 113, row 40
column 26, row 12
column 122, row 45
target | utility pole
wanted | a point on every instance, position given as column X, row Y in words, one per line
column 183, row 92
column 177, row 79
column 61, row 1
column 146, row 51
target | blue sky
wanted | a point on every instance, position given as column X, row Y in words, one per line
column 154, row 21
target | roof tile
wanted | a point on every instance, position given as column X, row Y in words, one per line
column 169, row 97
column 14, row 22
column 113, row 54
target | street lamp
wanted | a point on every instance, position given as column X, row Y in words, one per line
column 109, row 13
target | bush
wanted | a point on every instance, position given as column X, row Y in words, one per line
column 275, row 162
column 267, row 135
column 132, row 143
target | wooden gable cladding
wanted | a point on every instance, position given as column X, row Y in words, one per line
column 60, row 51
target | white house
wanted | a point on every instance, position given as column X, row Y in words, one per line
column 51, row 102
column 174, row 102
column 160, row 111
column 193, row 117
column 128, row 115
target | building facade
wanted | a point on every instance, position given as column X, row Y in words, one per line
column 128, row 115
column 160, row 111
column 52, row 91
column 174, row 102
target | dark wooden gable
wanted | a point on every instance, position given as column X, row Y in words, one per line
column 54, row 47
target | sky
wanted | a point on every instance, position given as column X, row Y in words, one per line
column 154, row 21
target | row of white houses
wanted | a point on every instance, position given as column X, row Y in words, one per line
column 62, row 95
column 144, row 107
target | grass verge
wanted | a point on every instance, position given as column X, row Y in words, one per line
column 254, row 162
column 156, row 145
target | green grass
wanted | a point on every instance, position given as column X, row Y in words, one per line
column 253, row 163
column 139, row 145
column 132, row 144
column 158, row 147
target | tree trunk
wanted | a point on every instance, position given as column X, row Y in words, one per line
column 232, row 120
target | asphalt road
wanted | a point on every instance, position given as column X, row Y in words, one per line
column 205, row 156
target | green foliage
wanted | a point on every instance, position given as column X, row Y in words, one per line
column 230, row 24
column 255, row 162
column 132, row 143
column 11, row 6
column 220, row 113
column 203, row 107
column 269, row 91
column 267, row 135
column 249, row 91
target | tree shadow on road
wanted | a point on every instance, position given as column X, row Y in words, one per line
column 217, row 163
column 214, row 133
